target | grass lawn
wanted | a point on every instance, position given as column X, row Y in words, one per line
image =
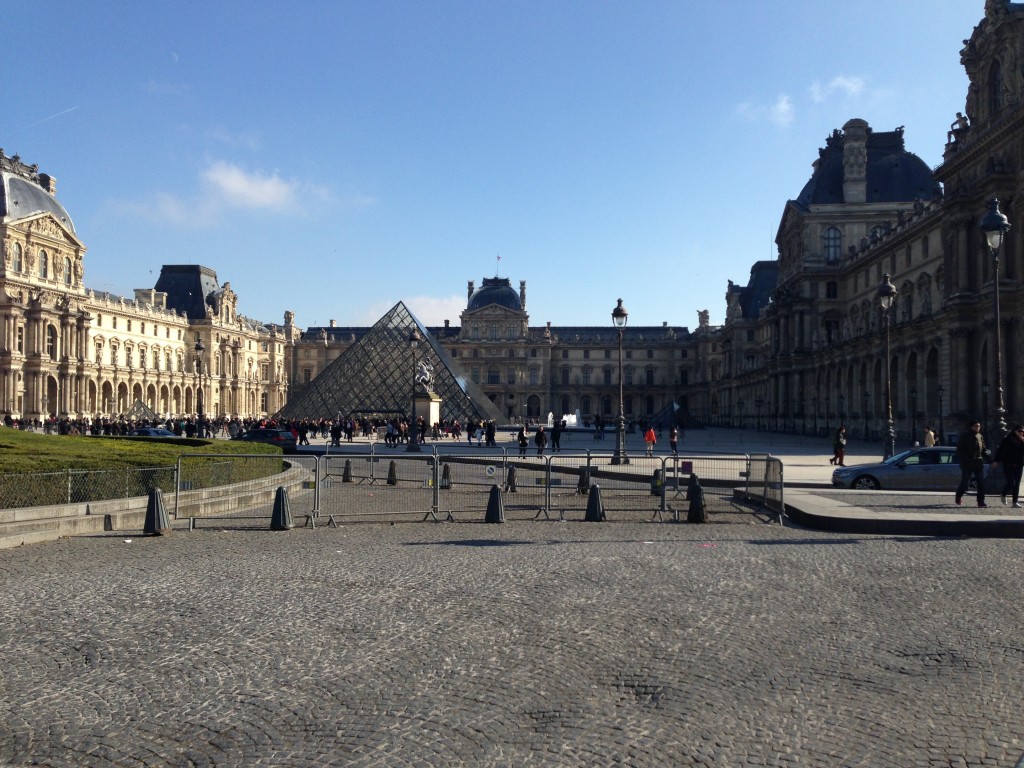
column 22, row 452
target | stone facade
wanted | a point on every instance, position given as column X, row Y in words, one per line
column 530, row 371
column 810, row 355
column 68, row 351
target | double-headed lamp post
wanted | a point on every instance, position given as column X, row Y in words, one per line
column 413, row 445
column 619, row 317
column 995, row 226
column 886, row 298
column 200, row 349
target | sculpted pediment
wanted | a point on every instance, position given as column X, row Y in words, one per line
column 46, row 227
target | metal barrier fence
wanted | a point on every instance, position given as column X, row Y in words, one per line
column 76, row 486
column 457, row 486
column 390, row 482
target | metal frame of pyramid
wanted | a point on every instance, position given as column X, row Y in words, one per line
column 373, row 378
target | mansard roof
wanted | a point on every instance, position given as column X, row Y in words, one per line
column 188, row 288
column 893, row 174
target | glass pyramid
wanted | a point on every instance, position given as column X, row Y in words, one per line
column 373, row 378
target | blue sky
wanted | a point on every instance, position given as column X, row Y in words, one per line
column 333, row 158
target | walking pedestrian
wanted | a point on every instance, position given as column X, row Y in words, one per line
column 970, row 451
column 540, row 440
column 839, row 447
column 650, row 439
column 673, row 440
column 524, row 441
column 556, row 436
column 1010, row 454
column 929, row 437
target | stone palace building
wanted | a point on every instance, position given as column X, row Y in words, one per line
column 802, row 348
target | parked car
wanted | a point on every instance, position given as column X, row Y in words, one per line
column 919, row 469
column 151, row 432
column 282, row 438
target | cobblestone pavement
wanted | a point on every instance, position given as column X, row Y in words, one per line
column 530, row 643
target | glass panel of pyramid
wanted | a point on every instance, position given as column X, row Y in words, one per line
column 373, row 378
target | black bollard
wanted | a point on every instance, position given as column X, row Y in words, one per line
column 346, row 474
column 510, row 480
column 595, row 508
column 583, row 484
column 281, row 519
column 495, row 507
column 446, row 476
column 695, row 493
column 657, row 480
column 392, row 473
column 157, row 523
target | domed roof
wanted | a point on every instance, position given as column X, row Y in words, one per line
column 21, row 197
column 495, row 290
column 893, row 174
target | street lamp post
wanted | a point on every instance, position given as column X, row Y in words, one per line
column 886, row 298
column 995, row 226
column 413, row 445
column 913, row 415
column 619, row 318
column 200, row 349
column 942, row 430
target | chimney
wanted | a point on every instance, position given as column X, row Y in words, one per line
column 332, row 324
column 855, row 161
column 522, row 293
column 47, row 182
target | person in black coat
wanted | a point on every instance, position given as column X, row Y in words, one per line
column 540, row 440
column 970, row 452
column 1010, row 454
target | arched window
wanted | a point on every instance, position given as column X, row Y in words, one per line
column 832, row 243
column 67, row 271
column 44, row 265
column 16, row 264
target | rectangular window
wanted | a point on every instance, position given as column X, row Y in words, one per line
column 510, row 376
column 586, row 376
column 586, row 354
column 607, row 354
column 307, row 374
column 565, row 377
column 650, row 354
column 629, row 376
column 534, row 377
column 475, row 373
column 650, row 377
column 607, row 377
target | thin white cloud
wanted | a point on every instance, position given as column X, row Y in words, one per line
column 238, row 188
column 780, row 112
column 225, row 187
column 841, row 84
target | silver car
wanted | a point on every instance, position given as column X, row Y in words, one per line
column 919, row 469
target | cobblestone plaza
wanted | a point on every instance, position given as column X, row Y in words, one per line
column 529, row 643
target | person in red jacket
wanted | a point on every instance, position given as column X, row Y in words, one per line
column 650, row 438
